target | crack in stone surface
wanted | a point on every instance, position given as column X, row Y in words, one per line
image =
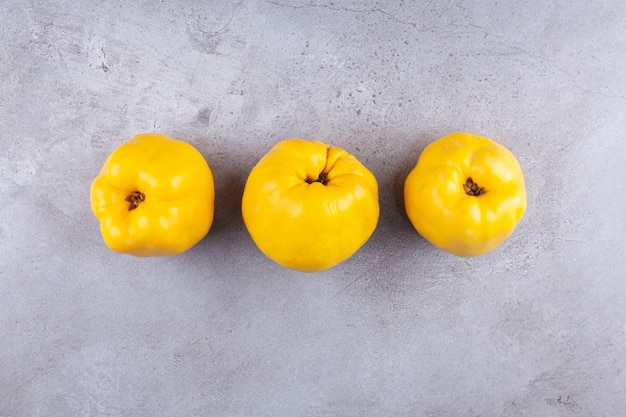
column 349, row 10
column 552, row 64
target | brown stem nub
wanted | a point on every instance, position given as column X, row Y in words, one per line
column 134, row 199
column 471, row 188
column 323, row 178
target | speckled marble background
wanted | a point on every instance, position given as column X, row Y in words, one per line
column 535, row 328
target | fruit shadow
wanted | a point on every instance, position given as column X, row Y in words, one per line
column 391, row 185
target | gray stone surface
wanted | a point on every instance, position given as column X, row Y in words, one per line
column 534, row 328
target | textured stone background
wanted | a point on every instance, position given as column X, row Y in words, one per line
column 535, row 328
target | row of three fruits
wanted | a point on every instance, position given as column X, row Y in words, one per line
column 308, row 206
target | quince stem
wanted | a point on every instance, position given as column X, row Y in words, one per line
column 134, row 198
column 323, row 178
column 471, row 188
